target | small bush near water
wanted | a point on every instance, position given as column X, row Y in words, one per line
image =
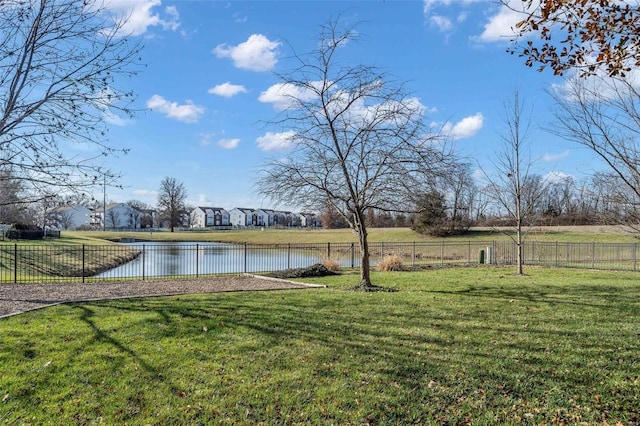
column 390, row 263
column 316, row 270
column 331, row 265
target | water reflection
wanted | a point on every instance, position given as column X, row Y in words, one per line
column 159, row 259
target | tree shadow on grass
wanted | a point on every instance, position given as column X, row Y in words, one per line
column 606, row 297
column 432, row 353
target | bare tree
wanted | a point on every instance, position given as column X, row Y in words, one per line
column 188, row 219
column 514, row 187
column 171, row 201
column 112, row 219
column 144, row 216
column 65, row 219
column 139, row 219
column 603, row 115
column 59, row 62
column 13, row 209
column 359, row 141
column 462, row 190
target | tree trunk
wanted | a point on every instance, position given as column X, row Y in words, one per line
column 363, row 242
column 519, row 247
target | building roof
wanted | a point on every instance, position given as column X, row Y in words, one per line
column 215, row 209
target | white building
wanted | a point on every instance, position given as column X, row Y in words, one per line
column 117, row 215
column 309, row 220
column 68, row 217
column 203, row 217
column 264, row 217
column 239, row 216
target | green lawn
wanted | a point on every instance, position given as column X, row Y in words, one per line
column 452, row 346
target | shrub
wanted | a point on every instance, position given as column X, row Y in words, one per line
column 390, row 263
column 316, row 270
column 331, row 265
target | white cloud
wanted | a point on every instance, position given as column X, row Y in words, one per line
column 598, row 87
column 187, row 113
column 557, row 177
column 202, row 200
column 442, row 14
column 501, row 25
column 139, row 15
column 227, row 89
column 442, row 22
column 205, row 139
column 115, row 119
column 428, row 5
column 229, row 143
column 109, row 115
column 554, row 157
column 275, row 141
column 145, row 193
column 464, row 128
column 258, row 53
column 284, row 95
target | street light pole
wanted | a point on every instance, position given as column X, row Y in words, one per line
column 104, row 203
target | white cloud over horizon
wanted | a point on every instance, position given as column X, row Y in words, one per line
column 464, row 128
column 227, row 89
column 275, row 141
column 258, row 53
column 229, row 143
column 187, row 112
column 557, row 177
column 284, row 95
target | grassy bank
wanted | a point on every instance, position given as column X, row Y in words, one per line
column 452, row 346
column 284, row 236
column 60, row 257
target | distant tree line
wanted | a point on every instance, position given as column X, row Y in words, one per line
column 452, row 210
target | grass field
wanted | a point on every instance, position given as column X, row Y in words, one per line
column 452, row 346
column 284, row 236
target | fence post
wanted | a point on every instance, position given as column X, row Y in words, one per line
column 15, row 263
column 288, row 255
column 413, row 255
column 593, row 255
column 442, row 253
column 197, row 259
column 557, row 262
column 495, row 252
column 328, row 250
column 353, row 253
column 245, row 258
column 83, row 262
column 143, row 260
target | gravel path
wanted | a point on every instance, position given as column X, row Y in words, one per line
column 18, row 298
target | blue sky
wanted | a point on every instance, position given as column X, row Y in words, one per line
column 210, row 65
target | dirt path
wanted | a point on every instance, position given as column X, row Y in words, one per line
column 18, row 298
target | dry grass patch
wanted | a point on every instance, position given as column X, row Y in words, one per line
column 391, row 263
column 331, row 265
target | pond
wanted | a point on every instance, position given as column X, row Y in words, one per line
column 162, row 259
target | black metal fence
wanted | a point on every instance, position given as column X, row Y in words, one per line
column 27, row 263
